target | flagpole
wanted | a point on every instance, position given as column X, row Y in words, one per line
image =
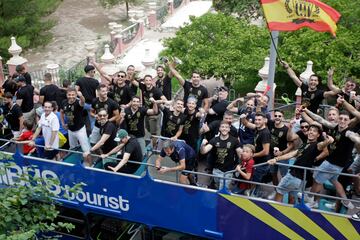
column 272, row 65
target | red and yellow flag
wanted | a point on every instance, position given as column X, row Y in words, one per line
column 290, row 15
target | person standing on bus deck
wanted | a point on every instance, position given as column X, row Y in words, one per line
column 180, row 153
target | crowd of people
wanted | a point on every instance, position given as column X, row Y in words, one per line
column 123, row 114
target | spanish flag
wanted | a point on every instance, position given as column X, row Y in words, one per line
column 290, row 15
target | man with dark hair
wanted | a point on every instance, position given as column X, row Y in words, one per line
column 218, row 106
column 10, row 84
column 20, row 69
column 13, row 115
column 180, row 153
column 25, row 99
column 163, row 81
column 212, row 129
column 48, row 92
column 87, row 85
column 173, row 120
column 131, row 79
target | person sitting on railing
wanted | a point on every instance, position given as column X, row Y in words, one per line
column 49, row 126
column 180, row 153
column 173, row 120
column 340, row 154
column 128, row 149
column 305, row 157
column 222, row 156
column 133, row 117
column 107, row 132
column 218, row 104
column 26, row 137
column 245, row 169
column 246, row 135
column 310, row 93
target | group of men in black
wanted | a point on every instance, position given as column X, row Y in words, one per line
column 111, row 118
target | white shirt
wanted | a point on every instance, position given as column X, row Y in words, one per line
column 48, row 124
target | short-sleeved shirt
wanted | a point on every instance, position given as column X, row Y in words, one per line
column 134, row 121
column 49, row 92
column 171, row 123
column 262, row 136
column 25, row 136
column 246, row 135
column 133, row 148
column 10, row 86
column 110, row 129
column 88, row 88
column 12, row 117
column 313, row 97
column 249, row 168
column 214, row 130
column 181, row 151
column 278, row 137
column 223, row 153
column 74, row 114
column 26, row 93
column 27, row 77
column 165, row 86
column 191, row 126
column 200, row 93
column 305, row 157
column 109, row 105
column 147, row 94
column 219, row 108
column 121, row 95
column 340, row 151
column 49, row 124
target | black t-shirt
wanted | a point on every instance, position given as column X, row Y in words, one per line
column 302, row 136
column 27, row 78
column 191, row 126
column 313, row 97
column 12, row 117
column 262, row 136
column 88, row 88
column 132, row 86
column 109, row 105
column 49, row 92
column 219, row 108
column 171, row 123
column 26, row 93
column 134, row 122
column 246, row 135
column 305, row 157
column 223, row 153
column 133, row 148
column 165, row 86
column 341, row 149
column 75, row 115
column 200, row 93
column 278, row 137
column 121, row 95
column 147, row 94
column 61, row 97
column 214, row 130
column 10, row 86
column 110, row 129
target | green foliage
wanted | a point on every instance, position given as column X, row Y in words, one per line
column 27, row 209
column 24, row 20
column 246, row 9
column 111, row 3
column 221, row 46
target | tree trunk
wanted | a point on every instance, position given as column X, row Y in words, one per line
column 127, row 9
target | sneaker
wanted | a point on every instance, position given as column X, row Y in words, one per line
column 356, row 216
column 306, row 197
column 312, row 204
column 330, row 205
column 271, row 196
column 348, row 204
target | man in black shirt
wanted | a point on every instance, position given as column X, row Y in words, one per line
column 87, row 85
column 133, row 119
column 48, row 92
column 163, row 82
column 20, row 69
column 219, row 104
column 212, row 129
column 73, row 117
column 103, row 102
column 25, row 99
column 13, row 115
column 128, row 149
column 131, row 79
column 222, row 157
column 10, row 85
column 173, row 121
column 305, row 157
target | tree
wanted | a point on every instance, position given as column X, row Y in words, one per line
column 221, row 46
column 27, row 210
column 110, row 3
column 246, row 9
column 24, row 20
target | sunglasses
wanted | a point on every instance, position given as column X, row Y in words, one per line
column 121, row 76
column 278, row 116
column 102, row 115
column 302, row 127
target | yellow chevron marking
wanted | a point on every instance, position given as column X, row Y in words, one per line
column 303, row 221
column 262, row 215
column 343, row 225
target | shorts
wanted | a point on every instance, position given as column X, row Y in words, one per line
column 189, row 166
column 260, row 172
column 289, row 183
column 152, row 124
column 355, row 166
column 283, row 169
column 322, row 177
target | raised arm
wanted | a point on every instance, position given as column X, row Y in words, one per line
column 330, row 82
column 246, row 122
column 291, row 73
column 319, row 119
column 102, row 73
column 176, row 74
column 232, row 106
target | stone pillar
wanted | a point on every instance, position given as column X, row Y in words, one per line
column 119, row 45
column 90, row 48
column 16, row 59
column 170, row 7
column 148, row 61
column 262, row 86
column 54, row 70
column 152, row 19
column 304, row 77
column 108, row 66
column 2, row 77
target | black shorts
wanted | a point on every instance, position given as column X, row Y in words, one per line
column 189, row 166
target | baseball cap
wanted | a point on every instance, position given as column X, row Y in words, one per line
column 122, row 133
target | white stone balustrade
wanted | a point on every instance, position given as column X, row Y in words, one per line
column 15, row 50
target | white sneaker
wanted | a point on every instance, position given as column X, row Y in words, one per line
column 306, row 197
column 312, row 204
column 356, row 216
column 272, row 196
column 330, row 205
column 348, row 204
